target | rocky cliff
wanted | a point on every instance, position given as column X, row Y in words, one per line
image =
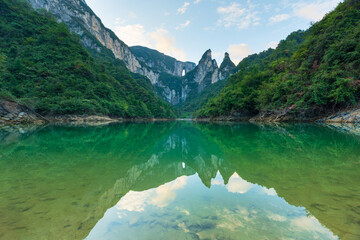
column 83, row 21
column 160, row 62
column 206, row 73
column 176, row 89
column 227, row 68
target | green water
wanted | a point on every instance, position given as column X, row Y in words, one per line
column 179, row 180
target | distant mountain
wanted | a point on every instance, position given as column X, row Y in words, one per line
column 162, row 63
column 309, row 75
column 178, row 90
column 46, row 67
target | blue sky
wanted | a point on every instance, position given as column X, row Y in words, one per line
column 185, row 29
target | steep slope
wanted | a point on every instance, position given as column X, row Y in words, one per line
column 300, row 82
column 46, row 67
column 227, row 68
column 83, row 21
column 178, row 90
column 162, row 63
column 207, row 80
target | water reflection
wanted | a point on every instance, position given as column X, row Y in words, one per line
column 185, row 209
column 198, row 180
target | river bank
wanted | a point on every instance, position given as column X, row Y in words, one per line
column 13, row 113
column 351, row 115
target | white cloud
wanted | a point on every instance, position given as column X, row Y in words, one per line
column 277, row 218
column 167, row 192
column 160, row 197
column 183, row 9
column 238, row 185
column 133, row 35
column 239, row 51
column 269, row 191
column 272, row 45
column 183, row 25
column 279, row 18
column 166, row 44
column 235, row 15
column 197, row 1
column 316, row 10
column 160, row 39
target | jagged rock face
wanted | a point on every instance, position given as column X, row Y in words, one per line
column 227, row 68
column 83, row 21
column 176, row 90
column 206, row 73
column 160, row 62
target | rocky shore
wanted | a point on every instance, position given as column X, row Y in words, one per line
column 15, row 113
column 12, row 113
column 287, row 115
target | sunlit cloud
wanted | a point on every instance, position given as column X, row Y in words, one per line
column 239, row 51
column 165, row 43
column 272, row 45
column 160, row 39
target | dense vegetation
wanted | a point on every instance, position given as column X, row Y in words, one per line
column 195, row 101
column 317, row 69
column 46, row 67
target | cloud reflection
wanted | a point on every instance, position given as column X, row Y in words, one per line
column 160, row 197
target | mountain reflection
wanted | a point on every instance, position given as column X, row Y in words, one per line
column 59, row 181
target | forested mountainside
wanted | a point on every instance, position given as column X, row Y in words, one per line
column 310, row 73
column 46, row 67
column 93, row 34
column 162, row 63
column 183, row 84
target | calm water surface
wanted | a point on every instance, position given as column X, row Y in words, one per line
column 179, row 180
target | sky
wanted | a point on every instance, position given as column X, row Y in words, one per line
column 185, row 29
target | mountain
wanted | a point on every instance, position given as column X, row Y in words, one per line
column 163, row 71
column 162, row 63
column 227, row 68
column 177, row 90
column 46, row 67
column 83, row 21
column 204, row 82
column 310, row 75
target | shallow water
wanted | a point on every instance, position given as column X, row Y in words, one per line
column 179, row 180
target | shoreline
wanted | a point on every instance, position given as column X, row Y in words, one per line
column 13, row 113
